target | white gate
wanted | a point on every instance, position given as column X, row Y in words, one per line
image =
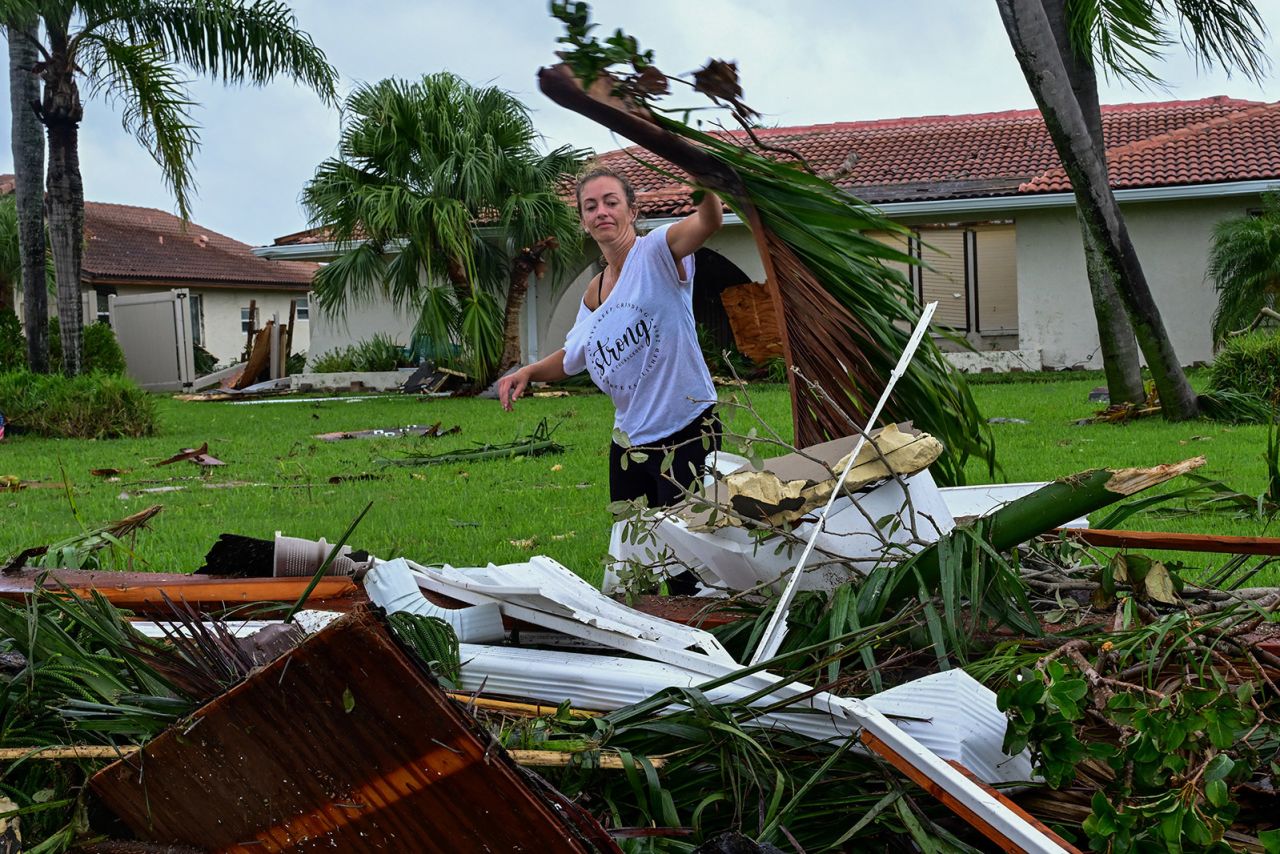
column 154, row 331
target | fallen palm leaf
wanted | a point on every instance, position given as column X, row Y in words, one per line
column 536, row 444
column 199, row 456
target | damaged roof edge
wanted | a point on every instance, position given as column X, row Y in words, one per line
column 949, row 207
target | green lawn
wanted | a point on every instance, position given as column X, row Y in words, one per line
column 498, row 511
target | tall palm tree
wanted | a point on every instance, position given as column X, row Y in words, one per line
column 1244, row 266
column 131, row 51
column 436, row 186
column 27, row 141
column 1121, row 36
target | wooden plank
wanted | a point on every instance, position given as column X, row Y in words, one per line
column 1162, row 540
column 976, row 821
column 144, row 592
column 344, row 744
column 259, row 358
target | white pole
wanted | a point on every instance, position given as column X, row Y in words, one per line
column 777, row 629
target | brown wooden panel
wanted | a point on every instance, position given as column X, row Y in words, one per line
column 756, row 328
column 344, row 744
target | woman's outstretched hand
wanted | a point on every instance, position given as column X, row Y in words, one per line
column 512, row 386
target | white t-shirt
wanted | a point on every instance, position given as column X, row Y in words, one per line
column 641, row 346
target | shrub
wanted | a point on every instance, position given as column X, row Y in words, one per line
column 204, row 361
column 90, row 406
column 13, row 346
column 336, row 361
column 1248, row 364
column 379, row 353
column 101, row 351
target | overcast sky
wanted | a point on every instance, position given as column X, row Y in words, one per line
column 801, row 61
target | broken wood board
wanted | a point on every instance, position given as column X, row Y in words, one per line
column 1166, row 541
column 259, row 357
column 757, row 330
column 345, row 743
column 145, row 592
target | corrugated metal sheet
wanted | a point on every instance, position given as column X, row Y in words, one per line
column 347, row 745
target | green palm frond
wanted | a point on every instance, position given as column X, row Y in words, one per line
column 225, row 39
column 1124, row 35
column 1244, row 267
column 154, row 102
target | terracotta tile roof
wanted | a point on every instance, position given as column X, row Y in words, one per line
column 999, row 154
column 1239, row 146
column 132, row 244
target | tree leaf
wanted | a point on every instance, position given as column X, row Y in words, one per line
column 1159, row 584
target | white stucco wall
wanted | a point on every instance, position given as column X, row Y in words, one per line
column 359, row 322
column 1172, row 239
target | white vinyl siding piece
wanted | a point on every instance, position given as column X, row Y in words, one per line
column 997, row 284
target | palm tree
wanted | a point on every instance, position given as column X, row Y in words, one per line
column 131, row 51
column 1120, row 36
column 27, row 139
column 436, row 186
column 1244, row 266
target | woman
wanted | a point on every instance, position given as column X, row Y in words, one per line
column 635, row 335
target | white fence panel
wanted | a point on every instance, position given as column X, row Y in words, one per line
column 154, row 331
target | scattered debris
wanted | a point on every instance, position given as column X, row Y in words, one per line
column 199, row 456
column 434, row 381
column 374, row 788
column 13, row 483
column 1002, row 420
column 349, row 478
column 83, row 550
column 430, row 431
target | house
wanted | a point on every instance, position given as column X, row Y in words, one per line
column 992, row 217
column 134, row 250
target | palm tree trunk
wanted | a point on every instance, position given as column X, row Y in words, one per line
column 27, row 140
column 62, row 114
column 1115, row 334
column 1036, row 49
column 1017, row 522
column 527, row 262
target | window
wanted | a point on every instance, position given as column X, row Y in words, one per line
column 246, row 320
column 973, row 274
column 104, row 303
column 303, row 311
column 197, row 319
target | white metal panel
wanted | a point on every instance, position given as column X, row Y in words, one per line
column 546, row 593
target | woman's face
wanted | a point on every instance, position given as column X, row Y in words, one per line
column 604, row 209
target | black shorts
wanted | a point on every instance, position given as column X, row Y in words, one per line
column 691, row 444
